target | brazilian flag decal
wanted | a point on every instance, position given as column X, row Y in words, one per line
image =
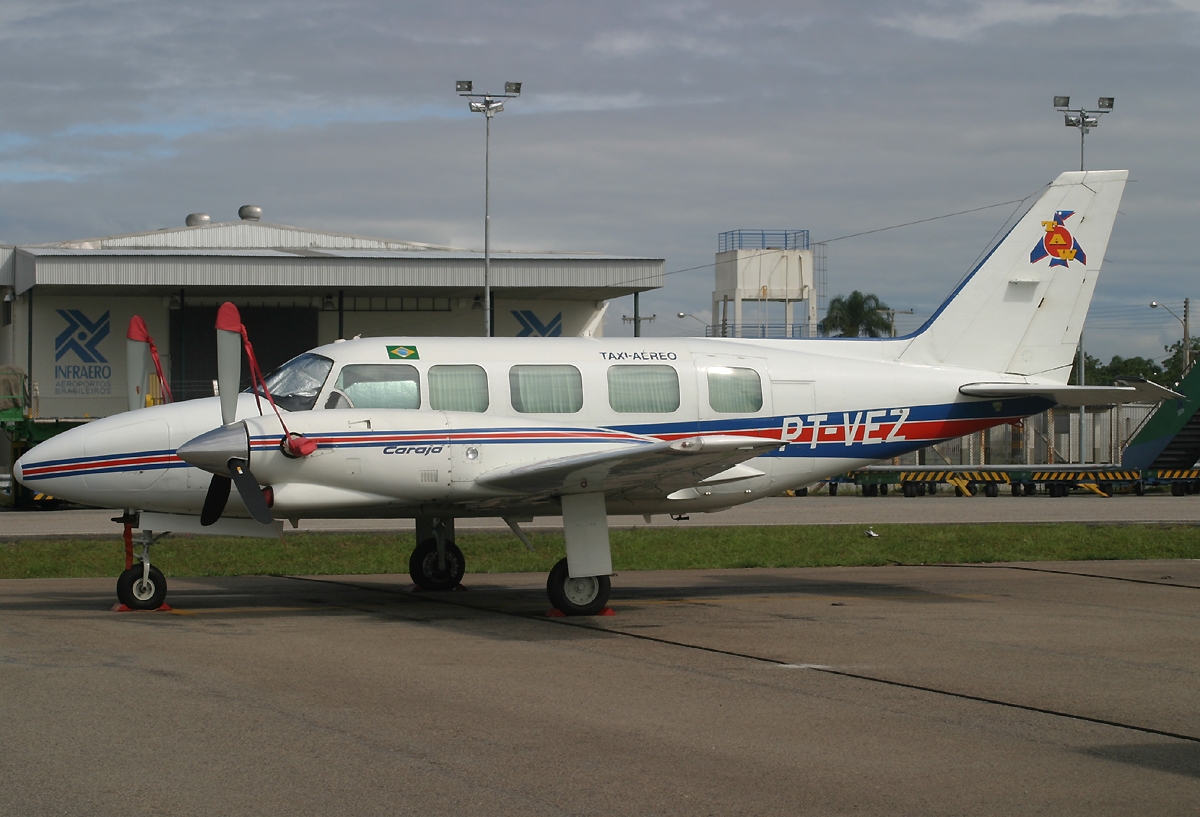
column 403, row 353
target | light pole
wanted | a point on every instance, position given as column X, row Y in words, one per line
column 682, row 315
column 1187, row 341
column 1082, row 118
column 489, row 105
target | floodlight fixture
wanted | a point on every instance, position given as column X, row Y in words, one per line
column 1082, row 118
column 489, row 105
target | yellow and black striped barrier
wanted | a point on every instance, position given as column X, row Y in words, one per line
column 1177, row 473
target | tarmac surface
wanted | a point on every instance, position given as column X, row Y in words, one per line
column 1048, row 688
column 1056, row 688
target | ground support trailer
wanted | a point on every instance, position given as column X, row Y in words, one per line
column 23, row 429
column 1018, row 480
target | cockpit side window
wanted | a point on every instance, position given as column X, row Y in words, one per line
column 376, row 385
column 296, row 384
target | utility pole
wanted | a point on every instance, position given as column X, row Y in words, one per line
column 892, row 313
column 637, row 318
column 1187, row 339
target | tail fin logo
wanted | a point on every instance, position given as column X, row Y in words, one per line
column 1058, row 244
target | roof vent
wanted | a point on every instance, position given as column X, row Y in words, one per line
column 250, row 212
column 197, row 219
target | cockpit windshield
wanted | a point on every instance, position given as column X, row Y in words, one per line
column 296, row 384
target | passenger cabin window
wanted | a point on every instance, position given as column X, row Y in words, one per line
column 546, row 389
column 458, row 388
column 376, row 385
column 734, row 390
column 643, row 389
column 296, row 384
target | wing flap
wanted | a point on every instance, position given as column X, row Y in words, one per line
column 667, row 465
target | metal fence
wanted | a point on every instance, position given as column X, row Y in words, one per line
column 1050, row 438
column 762, row 240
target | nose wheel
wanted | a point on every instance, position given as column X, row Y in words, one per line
column 580, row 596
column 142, row 587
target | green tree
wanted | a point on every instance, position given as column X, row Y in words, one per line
column 856, row 315
column 1173, row 365
column 1105, row 374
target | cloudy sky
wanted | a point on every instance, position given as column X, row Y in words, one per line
column 644, row 128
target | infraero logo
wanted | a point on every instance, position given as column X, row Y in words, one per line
column 531, row 326
column 81, row 336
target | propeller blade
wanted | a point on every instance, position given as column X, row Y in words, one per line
column 251, row 494
column 215, row 499
column 229, row 360
column 137, row 356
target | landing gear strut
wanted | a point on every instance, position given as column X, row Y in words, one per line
column 436, row 562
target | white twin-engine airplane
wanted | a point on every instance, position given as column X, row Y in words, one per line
column 439, row 428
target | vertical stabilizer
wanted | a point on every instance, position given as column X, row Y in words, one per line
column 1022, row 310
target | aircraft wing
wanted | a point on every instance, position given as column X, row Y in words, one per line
column 1128, row 390
column 666, row 466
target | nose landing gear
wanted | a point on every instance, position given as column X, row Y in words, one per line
column 141, row 586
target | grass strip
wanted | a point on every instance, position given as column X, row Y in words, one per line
column 642, row 549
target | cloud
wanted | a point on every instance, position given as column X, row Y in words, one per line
column 969, row 19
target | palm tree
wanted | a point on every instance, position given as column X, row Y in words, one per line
column 855, row 315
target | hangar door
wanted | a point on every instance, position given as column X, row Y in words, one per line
column 278, row 333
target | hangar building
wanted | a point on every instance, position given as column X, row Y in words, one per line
column 66, row 305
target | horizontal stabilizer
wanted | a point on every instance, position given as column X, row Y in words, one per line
column 665, row 464
column 1129, row 391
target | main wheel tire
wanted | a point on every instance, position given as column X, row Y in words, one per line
column 138, row 592
column 423, row 566
column 581, row 596
column 991, row 489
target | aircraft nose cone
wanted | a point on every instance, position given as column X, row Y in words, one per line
column 213, row 450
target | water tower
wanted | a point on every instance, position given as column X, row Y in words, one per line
column 764, row 266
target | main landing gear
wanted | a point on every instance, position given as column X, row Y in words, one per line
column 437, row 563
column 581, row 596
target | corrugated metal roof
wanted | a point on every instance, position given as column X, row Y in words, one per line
column 266, row 268
column 244, row 235
column 6, row 265
column 407, row 255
